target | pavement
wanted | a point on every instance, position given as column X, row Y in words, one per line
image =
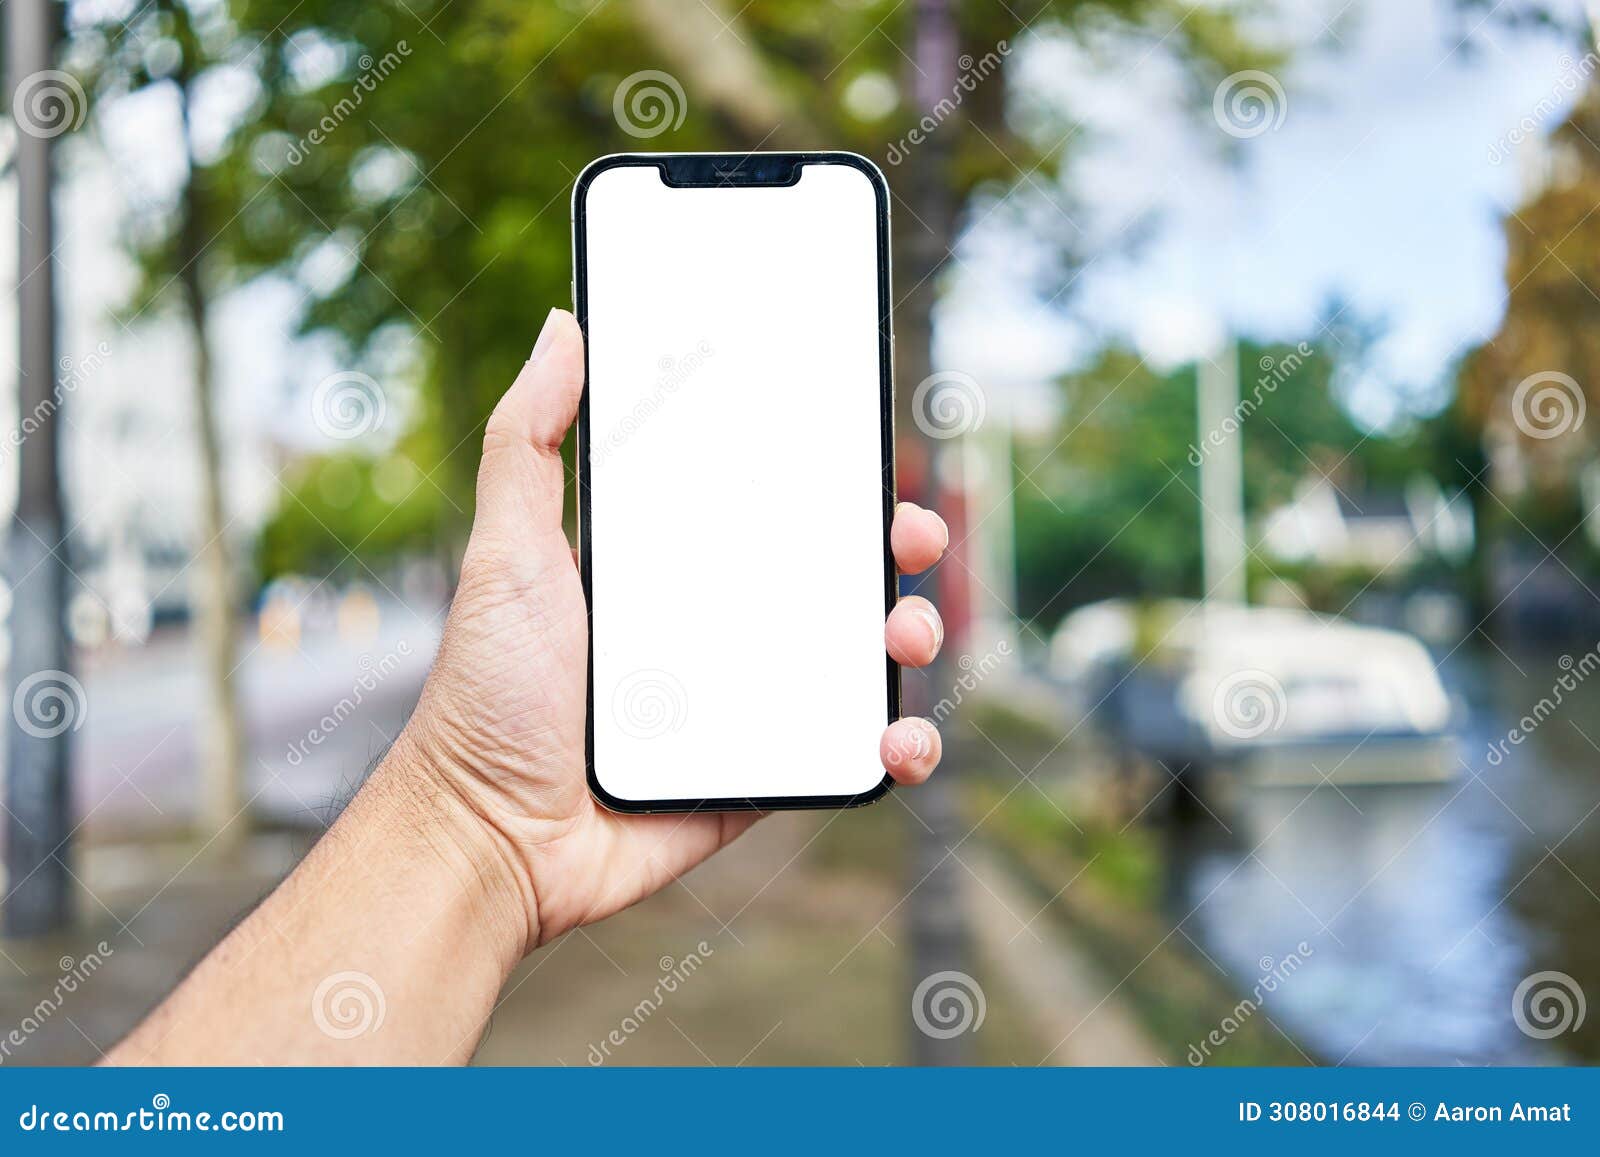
column 787, row 948
column 790, row 947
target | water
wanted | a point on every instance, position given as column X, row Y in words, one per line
column 1422, row 908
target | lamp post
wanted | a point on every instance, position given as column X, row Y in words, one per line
column 935, row 910
column 38, row 898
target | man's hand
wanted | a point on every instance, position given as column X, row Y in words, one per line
column 476, row 840
column 501, row 722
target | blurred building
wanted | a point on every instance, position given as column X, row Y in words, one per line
column 129, row 459
column 1330, row 526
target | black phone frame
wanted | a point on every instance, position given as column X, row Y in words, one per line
column 735, row 170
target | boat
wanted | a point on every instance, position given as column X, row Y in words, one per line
column 1282, row 696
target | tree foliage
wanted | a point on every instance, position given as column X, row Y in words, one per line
column 1108, row 505
column 1529, row 388
column 426, row 151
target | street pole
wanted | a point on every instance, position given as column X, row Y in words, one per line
column 935, row 909
column 1222, row 542
column 991, row 517
column 38, row 898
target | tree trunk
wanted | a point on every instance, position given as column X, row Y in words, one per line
column 700, row 39
column 221, row 740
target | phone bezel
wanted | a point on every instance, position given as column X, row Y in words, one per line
column 735, row 170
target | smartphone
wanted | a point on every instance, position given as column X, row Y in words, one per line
column 735, row 464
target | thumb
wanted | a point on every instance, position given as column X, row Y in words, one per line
column 521, row 475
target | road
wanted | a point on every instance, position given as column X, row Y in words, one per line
column 317, row 716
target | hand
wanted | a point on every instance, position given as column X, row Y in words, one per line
column 500, row 725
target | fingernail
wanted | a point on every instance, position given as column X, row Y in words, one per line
column 916, row 742
column 901, row 507
column 545, row 335
column 934, row 623
column 944, row 526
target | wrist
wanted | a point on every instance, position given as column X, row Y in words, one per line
column 415, row 784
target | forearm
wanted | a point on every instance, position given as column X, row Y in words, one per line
column 387, row 945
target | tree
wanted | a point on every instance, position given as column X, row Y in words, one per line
column 1106, row 504
column 435, row 147
column 173, row 43
column 1526, row 392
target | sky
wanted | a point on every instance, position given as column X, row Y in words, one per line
column 1383, row 182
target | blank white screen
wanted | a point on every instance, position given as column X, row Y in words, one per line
column 736, row 504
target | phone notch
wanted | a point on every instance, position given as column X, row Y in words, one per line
column 731, row 170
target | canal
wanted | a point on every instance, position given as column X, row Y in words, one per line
column 1450, row 923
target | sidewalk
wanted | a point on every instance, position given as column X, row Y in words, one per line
column 802, row 964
